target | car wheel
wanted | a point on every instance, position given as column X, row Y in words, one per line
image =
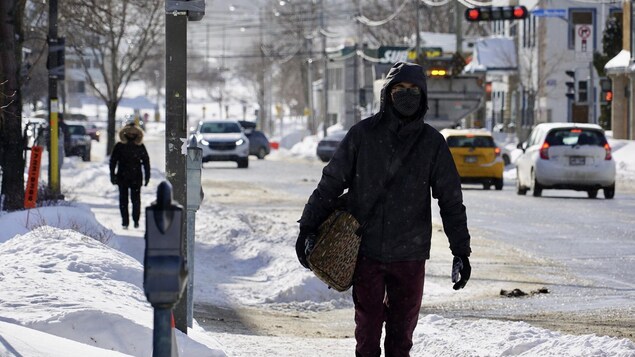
column 324, row 159
column 262, row 152
column 243, row 162
column 519, row 188
column 498, row 184
column 536, row 188
column 609, row 192
column 592, row 193
column 486, row 186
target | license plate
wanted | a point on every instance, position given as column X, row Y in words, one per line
column 470, row 159
column 576, row 160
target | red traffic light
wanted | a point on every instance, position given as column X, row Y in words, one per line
column 608, row 96
column 496, row 13
column 520, row 12
column 472, row 14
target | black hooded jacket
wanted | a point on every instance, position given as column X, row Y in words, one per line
column 128, row 157
column 400, row 226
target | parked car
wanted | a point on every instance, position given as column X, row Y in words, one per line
column 327, row 146
column 223, row 140
column 259, row 145
column 569, row 156
column 78, row 142
column 476, row 156
column 93, row 131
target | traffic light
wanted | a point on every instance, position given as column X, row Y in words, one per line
column 606, row 96
column 571, row 88
column 496, row 13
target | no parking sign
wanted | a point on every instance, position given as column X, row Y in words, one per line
column 584, row 42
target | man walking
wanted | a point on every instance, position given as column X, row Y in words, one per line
column 397, row 229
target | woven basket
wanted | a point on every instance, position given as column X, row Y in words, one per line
column 334, row 256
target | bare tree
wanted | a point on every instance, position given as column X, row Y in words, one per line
column 117, row 36
column 11, row 145
column 34, row 73
column 392, row 22
column 251, row 68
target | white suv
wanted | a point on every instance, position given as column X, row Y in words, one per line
column 223, row 140
column 570, row 156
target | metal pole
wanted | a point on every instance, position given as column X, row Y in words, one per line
column 591, row 95
column 54, row 168
column 309, row 67
column 325, row 76
column 176, row 127
column 162, row 334
column 195, row 196
column 459, row 26
column 417, row 33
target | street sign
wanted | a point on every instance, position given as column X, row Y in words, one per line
column 549, row 12
column 584, row 42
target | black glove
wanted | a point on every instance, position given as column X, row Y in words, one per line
column 147, row 180
column 113, row 179
column 460, row 267
column 304, row 245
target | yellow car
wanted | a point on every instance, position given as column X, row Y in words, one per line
column 476, row 156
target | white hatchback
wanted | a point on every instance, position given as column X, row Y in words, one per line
column 571, row 156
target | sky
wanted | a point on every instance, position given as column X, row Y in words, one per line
column 72, row 281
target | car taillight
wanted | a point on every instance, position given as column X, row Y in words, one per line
column 497, row 151
column 544, row 151
column 607, row 148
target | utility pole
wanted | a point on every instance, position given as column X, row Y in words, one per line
column 177, row 13
column 417, row 33
column 458, row 12
column 325, row 77
column 309, row 68
column 176, row 126
column 591, row 95
column 54, row 59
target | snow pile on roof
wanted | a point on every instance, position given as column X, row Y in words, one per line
column 618, row 63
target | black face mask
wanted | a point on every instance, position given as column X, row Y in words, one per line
column 406, row 103
column 131, row 137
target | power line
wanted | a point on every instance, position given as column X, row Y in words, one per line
column 368, row 22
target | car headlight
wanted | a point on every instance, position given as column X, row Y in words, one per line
column 240, row 142
column 204, row 142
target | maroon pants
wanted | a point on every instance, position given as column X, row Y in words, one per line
column 391, row 293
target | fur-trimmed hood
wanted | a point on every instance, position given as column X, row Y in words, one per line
column 131, row 129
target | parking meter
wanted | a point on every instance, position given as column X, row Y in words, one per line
column 165, row 267
column 194, row 165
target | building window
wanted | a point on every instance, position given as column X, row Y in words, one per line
column 578, row 17
column 76, row 86
column 335, row 78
